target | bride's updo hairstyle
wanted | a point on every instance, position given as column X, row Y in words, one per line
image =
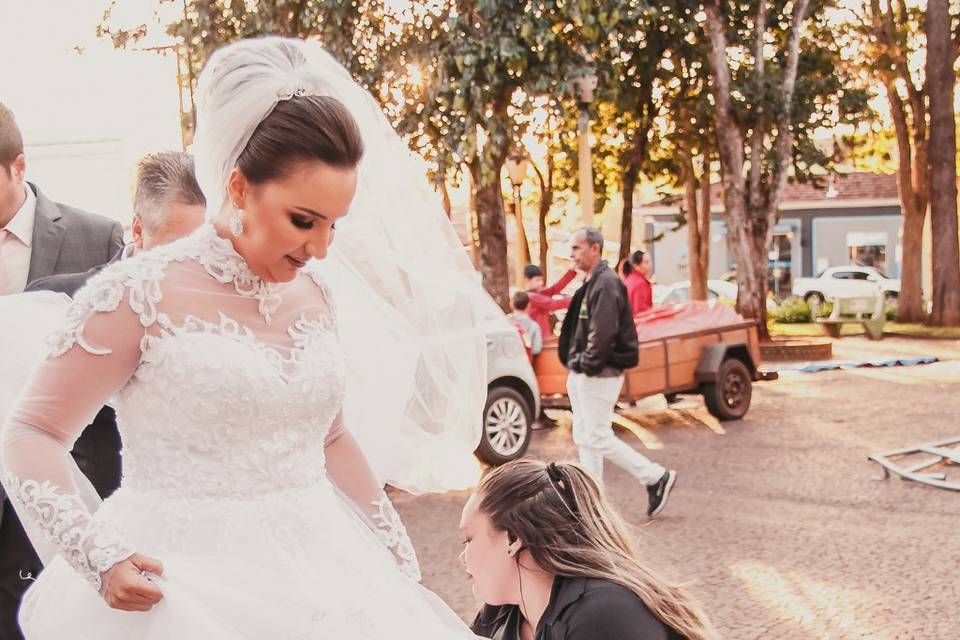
column 302, row 128
column 568, row 526
column 263, row 109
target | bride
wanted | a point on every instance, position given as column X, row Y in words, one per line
column 250, row 380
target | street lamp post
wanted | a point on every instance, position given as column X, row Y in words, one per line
column 517, row 170
column 584, row 86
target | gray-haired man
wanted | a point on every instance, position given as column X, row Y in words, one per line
column 168, row 205
column 598, row 342
column 38, row 238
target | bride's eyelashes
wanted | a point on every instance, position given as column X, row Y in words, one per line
column 307, row 223
column 301, row 222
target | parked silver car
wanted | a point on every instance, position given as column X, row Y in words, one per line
column 513, row 396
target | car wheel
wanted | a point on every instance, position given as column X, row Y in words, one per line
column 507, row 420
column 814, row 300
column 729, row 397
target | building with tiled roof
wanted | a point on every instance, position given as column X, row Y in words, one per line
column 852, row 219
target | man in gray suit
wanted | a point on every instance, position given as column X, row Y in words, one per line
column 60, row 247
column 38, row 237
column 168, row 205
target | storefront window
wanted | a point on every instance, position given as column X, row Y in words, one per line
column 873, row 255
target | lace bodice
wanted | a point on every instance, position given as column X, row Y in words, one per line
column 225, row 387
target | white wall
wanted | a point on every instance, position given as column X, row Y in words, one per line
column 85, row 117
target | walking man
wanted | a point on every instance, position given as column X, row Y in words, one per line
column 598, row 342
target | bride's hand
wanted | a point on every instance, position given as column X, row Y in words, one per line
column 126, row 588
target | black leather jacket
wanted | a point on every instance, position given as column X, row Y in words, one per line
column 598, row 332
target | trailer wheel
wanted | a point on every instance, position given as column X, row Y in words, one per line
column 729, row 397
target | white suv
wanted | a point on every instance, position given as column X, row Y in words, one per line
column 513, row 396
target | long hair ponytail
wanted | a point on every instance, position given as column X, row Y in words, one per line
column 570, row 529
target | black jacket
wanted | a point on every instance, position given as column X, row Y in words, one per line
column 582, row 609
column 598, row 331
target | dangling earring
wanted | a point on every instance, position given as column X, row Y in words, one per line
column 236, row 220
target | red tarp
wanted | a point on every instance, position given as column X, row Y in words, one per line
column 675, row 319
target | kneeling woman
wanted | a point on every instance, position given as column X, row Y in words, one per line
column 553, row 561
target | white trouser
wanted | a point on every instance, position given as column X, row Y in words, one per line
column 592, row 401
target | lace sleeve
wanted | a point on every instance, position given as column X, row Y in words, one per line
column 350, row 472
column 90, row 358
column 391, row 532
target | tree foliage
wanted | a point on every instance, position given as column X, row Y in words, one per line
column 776, row 80
column 885, row 42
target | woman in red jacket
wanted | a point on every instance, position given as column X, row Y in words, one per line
column 639, row 290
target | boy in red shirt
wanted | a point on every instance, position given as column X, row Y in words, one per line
column 542, row 301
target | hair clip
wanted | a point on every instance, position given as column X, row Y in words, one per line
column 557, row 482
column 554, row 472
column 295, row 89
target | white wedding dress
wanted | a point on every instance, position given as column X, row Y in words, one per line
column 227, row 391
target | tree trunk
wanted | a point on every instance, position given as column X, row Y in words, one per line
column 697, row 203
column 910, row 301
column 546, row 201
column 698, row 235
column 632, row 162
column 942, row 167
column 912, row 170
column 445, row 195
column 492, row 233
column 542, row 229
column 747, row 232
column 913, row 187
column 698, row 282
column 626, row 222
column 523, row 245
column 750, row 213
column 749, row 245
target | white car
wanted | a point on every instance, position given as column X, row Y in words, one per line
column 680, row 292
column 716, row 289
column 513, row 396
column 846, row 282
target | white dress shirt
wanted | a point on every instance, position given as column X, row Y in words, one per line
column 16, row 246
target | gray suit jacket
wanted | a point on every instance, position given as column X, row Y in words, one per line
column 67, row 241
column 68, row 283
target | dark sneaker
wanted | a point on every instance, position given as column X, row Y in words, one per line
column 659, row 492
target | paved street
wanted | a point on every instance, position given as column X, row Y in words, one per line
column 776, row 523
